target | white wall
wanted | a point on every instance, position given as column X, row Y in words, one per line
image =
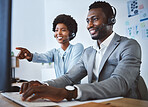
column 143, row 42
column 28, row 30
column 38, row 26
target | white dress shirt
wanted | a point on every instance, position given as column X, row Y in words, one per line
column 99, row 54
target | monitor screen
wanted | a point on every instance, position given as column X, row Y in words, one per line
column 5, row 45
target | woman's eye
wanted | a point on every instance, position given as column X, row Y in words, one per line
column 87, row 21
column 64, row 30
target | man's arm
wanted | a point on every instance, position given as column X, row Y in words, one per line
column 56, row 90
column 121, row 80
column 74, row 76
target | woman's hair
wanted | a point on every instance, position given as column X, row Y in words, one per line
column 69, row 22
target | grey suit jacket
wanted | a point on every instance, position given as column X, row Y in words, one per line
column 119, row 71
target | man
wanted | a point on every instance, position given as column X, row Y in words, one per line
column 112, row 65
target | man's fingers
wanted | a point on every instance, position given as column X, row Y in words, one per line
column 34, row 97
column 34, row 92
column 27, row 85
column 21, row 89
column 27, row 94
column 24, row 87
column 30, row 92
column 30, row 84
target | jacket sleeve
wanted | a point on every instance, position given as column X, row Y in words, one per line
column 73, row 76
column 121, row 80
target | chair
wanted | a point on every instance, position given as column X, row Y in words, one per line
column 143, row 91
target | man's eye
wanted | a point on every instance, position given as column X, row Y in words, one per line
column 95, row 19
column 56, row 30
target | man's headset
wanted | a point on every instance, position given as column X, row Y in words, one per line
column 112, row 20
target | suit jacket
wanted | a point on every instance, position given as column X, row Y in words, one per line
column 119, row 71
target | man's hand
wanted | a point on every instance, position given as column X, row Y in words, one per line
column 24, row 53
column 44, row 91
column 27, row 85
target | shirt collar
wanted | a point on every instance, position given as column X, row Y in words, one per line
column 105, row 43
column 62, row 52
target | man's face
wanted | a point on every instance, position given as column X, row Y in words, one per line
column 96, row 24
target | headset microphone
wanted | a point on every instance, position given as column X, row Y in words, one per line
column 66, row 39
column 69, row 38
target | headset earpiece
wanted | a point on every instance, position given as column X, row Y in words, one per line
column 112, row 19
column 72, row 36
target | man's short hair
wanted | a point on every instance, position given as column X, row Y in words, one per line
column 106, row 8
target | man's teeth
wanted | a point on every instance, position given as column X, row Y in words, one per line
column 92, row 31
column 60, row 37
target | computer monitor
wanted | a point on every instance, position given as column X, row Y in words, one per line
column 5, row 45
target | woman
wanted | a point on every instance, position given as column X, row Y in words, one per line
column 65, row 29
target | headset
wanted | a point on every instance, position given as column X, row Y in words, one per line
column 72, row 35
column 112, row 20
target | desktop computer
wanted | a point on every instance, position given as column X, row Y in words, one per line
column 5, row 47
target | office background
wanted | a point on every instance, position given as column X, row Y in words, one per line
column 32, row 28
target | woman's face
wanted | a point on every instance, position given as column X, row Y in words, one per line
column 61, row 33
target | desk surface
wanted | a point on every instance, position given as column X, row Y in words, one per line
column 127, row 102
column 4, row 102
column 123, row 102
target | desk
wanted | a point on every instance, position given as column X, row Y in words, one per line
column 122, row 102
column 4, row 102
column 127, row 102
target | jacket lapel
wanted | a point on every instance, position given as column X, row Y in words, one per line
column 114, row 43
column 91, row 64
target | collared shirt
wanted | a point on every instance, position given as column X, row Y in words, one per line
column 99, row 54
column 63, row 60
